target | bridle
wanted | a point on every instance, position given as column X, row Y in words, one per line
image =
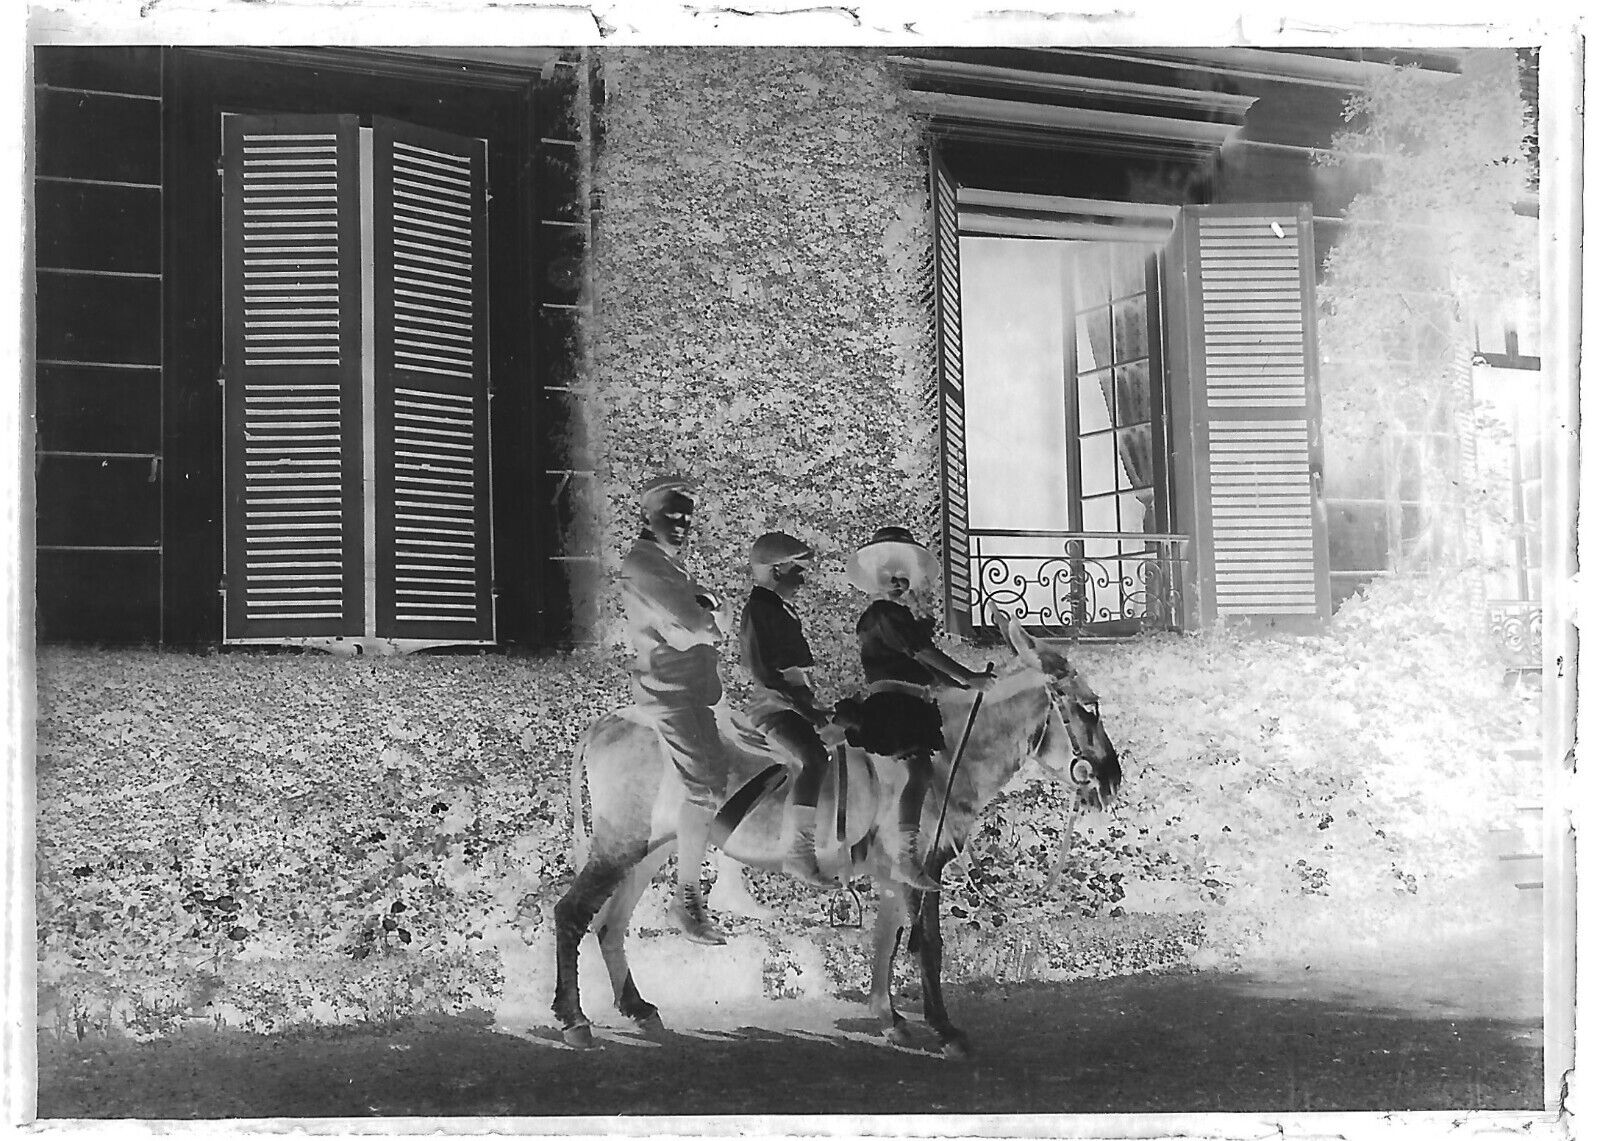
column 1058, row 705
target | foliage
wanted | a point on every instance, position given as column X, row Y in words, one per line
column 1428, row 243
column 1339, row 784
column 282, row 837
column 202, row 816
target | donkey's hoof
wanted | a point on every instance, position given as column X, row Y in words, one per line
column 579, row 1037
column 897, row 1035
column 650, row 1023
column 956, row 1047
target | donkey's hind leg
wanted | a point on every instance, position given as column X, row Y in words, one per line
column 592, row 887
column 611, row 928
column 925, row 915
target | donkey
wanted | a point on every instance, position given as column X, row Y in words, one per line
column 1040, row 708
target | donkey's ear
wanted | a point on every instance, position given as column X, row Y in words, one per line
column 1021, row 643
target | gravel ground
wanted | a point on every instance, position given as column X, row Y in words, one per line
column 1411, row 1028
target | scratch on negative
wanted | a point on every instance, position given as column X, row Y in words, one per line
column 1031, row 14
column 602, row 25
column 853, row 14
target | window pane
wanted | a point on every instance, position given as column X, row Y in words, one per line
column 1094, row 339
column 1134, row 467
column 1358, row 537
column 1094, row 402
column 1099, row 464
column 1127, row 274
column 1133, row 511
column 1012, row 303
column 1132, row 340
column 1100, row 514
column 1133, row 394
column 1093, row 275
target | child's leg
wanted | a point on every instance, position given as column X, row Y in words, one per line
column 692, row 741
column 908, row 860
column 797, row 737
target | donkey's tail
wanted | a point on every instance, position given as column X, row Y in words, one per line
column 575, row 798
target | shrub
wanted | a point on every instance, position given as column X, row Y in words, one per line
column 269, row 830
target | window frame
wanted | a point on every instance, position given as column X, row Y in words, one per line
column 1156, row 319
column 1248, row 543
column 512, row 107
column 1000, row 214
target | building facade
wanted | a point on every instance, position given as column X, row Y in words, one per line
column 351, row 347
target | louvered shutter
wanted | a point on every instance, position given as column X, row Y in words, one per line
column 431, row 414
column 291, row 377
column 1251, row 447
column 951, row 398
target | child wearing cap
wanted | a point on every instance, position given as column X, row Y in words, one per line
column 900, row 715
column 784, row 708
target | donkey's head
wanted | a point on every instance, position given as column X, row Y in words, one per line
column 1086, row 759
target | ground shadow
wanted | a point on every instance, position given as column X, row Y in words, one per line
column 1173, row 1043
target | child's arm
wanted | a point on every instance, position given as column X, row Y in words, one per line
column 953, row 671
column 798, row 687
column 661, row 600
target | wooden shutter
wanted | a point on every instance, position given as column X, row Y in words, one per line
column 291, row 377
column 951, row 398
column 431, row 400
column 1249, row 440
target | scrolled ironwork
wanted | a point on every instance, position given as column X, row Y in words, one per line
column 1079, row 592
column 1518, row 627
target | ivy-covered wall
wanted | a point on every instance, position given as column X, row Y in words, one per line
column 759, row 320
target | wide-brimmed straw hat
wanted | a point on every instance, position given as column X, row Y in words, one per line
column 890, row 548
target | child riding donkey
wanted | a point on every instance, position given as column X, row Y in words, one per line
column 1042, row 710
column 784, row 708
column 675, row 626
column 905, row 671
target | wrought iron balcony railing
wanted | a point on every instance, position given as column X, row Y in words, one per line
column 1518, row 627
column 1074, row 583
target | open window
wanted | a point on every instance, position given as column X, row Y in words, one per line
column 1128, row 412
column 355, row 381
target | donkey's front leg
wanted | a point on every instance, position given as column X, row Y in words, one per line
column 931, row 941
column 887, row 927
column 611, row 928
column 592, row 887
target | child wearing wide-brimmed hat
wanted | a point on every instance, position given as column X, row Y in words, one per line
column 900, row 715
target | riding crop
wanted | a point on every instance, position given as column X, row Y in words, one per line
column 955, row 763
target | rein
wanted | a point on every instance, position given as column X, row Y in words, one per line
column 1034, row 747
column 1062, row 856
